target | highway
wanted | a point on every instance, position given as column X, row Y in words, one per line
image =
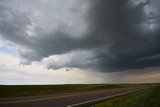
column 64, row 99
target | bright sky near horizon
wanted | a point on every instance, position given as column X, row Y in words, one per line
column 79, row 41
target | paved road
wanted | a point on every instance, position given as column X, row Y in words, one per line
column 61, row 100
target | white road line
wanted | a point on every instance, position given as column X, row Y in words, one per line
column 104, row 98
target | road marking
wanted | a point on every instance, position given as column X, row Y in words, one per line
column 40, row 99
column 104, row 98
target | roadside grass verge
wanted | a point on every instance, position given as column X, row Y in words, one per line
column 31, row 90
column 147, row 98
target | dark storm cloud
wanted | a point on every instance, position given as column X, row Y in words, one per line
column 121, row 35
column 14, row 26
column 124, row 27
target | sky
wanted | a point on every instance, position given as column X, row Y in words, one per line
column 79, row 41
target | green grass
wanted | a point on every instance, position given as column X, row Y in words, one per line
column 147, row 98
column 30, row 90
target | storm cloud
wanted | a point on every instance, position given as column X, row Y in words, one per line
column 104, row 35
column 127, row 29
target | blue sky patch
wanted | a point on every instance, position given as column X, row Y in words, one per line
column 8, row 50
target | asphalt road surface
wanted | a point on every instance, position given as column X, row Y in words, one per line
column 61, row 100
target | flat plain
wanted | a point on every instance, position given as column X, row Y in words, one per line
column 63, row 95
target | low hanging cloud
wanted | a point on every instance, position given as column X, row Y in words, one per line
column 76, row 59
column 105, row 35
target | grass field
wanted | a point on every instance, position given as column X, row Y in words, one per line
column 30, row 90
column 147, row 98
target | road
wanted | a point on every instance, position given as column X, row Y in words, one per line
column 62, row 100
